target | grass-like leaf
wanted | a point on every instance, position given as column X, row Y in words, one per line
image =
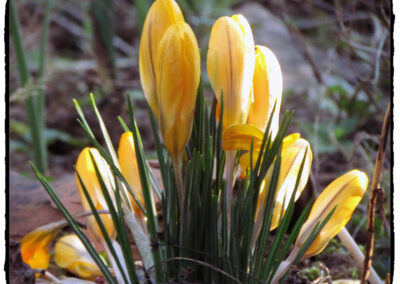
column 151, row 214
column 31, row 102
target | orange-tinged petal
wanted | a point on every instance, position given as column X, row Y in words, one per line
column 230, row 66
column 35, row 246
column 267, row 90
column 177, row 83
column 129, row 168
column 344, row 193
column 240, row 136
column 161, row 15
column 87, row 172
column 71, row 254
column 244, row 162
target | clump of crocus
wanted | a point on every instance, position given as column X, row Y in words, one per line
column 71, row 254
column 267, row 90
column 162, row 14
column 35, row 246
column 230, row 66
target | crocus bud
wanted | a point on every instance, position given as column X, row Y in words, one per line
column 230, row 66
column 177, row 83
column 35, row 249
column 129, row 168
column 294, row 150
column 87, row 172
column 267, row 90
column 161, row 15
column 343, row 195
column 71, row 254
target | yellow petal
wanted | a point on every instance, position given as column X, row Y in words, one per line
column 71, row 254
column 161, row 15
column 293, row 150
column 244, row 162
column 345, row 193
column 267, row 90
column 240, row 136
column 129, row 168
column 292, row 154
column 177, row 83
column 230, row 66
column 87, row 172
column 35, row 246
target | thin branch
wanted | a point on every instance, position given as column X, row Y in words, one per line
column 300, row 39
column 375, row 191
column 378, row 57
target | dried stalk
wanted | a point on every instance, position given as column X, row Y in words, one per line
column 375, row 192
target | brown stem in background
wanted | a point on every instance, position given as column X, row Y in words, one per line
column 387, row 280
column 376, row 191
column 294, row 31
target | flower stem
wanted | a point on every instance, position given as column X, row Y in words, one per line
column 177, row 165
column 285, row 265
column 230, row 157
column 357, row 254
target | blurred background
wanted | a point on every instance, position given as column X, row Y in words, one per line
column 335, row 58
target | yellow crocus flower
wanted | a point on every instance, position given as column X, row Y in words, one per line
column 230, row 66
column 129, row 168
column 35, row 245
column 267, row 90
column 71, row 254
column 241, row 136
column 294, row 150
column 87, row 172
column 162, row 14
column 177, row 83
column 344, row 193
